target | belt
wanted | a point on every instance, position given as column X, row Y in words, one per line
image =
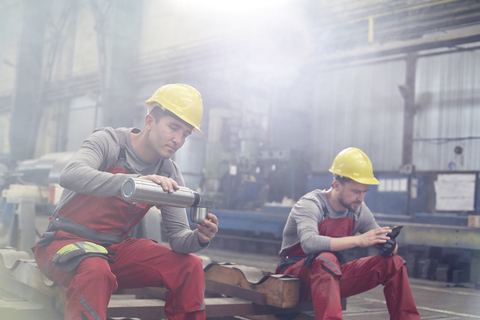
column 287, row 260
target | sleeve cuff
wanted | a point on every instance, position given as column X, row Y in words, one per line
column 203, row 245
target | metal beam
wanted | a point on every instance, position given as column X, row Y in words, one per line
column 448, row 39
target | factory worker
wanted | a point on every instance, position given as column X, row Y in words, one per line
column 324, row 222
column 87, row 247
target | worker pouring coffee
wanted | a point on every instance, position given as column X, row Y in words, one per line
column 87, row 247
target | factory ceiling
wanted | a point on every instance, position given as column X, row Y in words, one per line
column 365, row 29
column 331, row 32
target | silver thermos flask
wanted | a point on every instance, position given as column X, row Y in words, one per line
column 145, row 191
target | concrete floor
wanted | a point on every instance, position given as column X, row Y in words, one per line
column 435, row 300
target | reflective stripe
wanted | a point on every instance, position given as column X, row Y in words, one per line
column 90, row 247
column 89, row 309
column 330, row 264
column 46, row 267
column 202, row 307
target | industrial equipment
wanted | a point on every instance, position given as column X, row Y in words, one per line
column 30, row 190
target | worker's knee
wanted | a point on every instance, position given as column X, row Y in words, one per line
column 189, row 278
column 326, row 265
column 392, row 267
column 190, row 264
column 196, row 263
column 97, row 272
column 395, row 262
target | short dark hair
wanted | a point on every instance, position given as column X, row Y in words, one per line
column 158, row 113
column 341, row 179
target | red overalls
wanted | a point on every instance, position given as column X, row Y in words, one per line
column 138, row 262
column 327, row 281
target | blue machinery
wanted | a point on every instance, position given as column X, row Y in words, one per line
column 424, row 225
column 389, row 204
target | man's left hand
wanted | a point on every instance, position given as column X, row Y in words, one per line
column 388, row 248
column 208, row 228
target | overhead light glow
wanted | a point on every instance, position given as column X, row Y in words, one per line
column 226, row 6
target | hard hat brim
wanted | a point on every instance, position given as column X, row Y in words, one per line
column 369, row 181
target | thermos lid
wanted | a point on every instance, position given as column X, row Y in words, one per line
column 128, row 189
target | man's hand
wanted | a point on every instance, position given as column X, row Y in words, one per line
column 208, row 228
column 373, row 237
column 388, row 248
column 169, row 185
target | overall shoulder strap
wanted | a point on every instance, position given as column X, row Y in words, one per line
column 323, row 207
column 122, row 156
column 163, row 170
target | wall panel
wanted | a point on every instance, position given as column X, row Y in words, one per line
column 359, row 107
column 448, row 98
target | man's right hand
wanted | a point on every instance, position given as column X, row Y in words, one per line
column 370, row 238
column 373, row 237
column 169, row 185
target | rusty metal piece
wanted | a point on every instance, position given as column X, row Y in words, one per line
column 234, row 291
column 252, row 275
column 281, row 292
column 22, row 278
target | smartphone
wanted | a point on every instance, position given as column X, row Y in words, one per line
column 395, row 232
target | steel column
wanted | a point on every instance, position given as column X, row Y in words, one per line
column 118, row 27
column 28, row 78
column 408, row 94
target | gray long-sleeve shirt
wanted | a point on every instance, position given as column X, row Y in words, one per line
column 307, row 214
column 85, row 173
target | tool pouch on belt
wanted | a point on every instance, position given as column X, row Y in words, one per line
column 69, row 257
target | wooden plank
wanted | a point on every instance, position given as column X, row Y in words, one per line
column 234, row 291
column 147, row 309
column 149, row 292
column 136, row 308
column 279, row 292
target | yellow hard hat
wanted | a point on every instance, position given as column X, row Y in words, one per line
column 353, row 163
column 182, row 100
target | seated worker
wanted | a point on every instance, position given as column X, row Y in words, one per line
column 87, row 247
column 324, row 222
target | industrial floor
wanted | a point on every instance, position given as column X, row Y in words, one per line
column 435, row 300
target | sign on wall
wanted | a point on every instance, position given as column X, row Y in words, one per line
column 455, row 192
